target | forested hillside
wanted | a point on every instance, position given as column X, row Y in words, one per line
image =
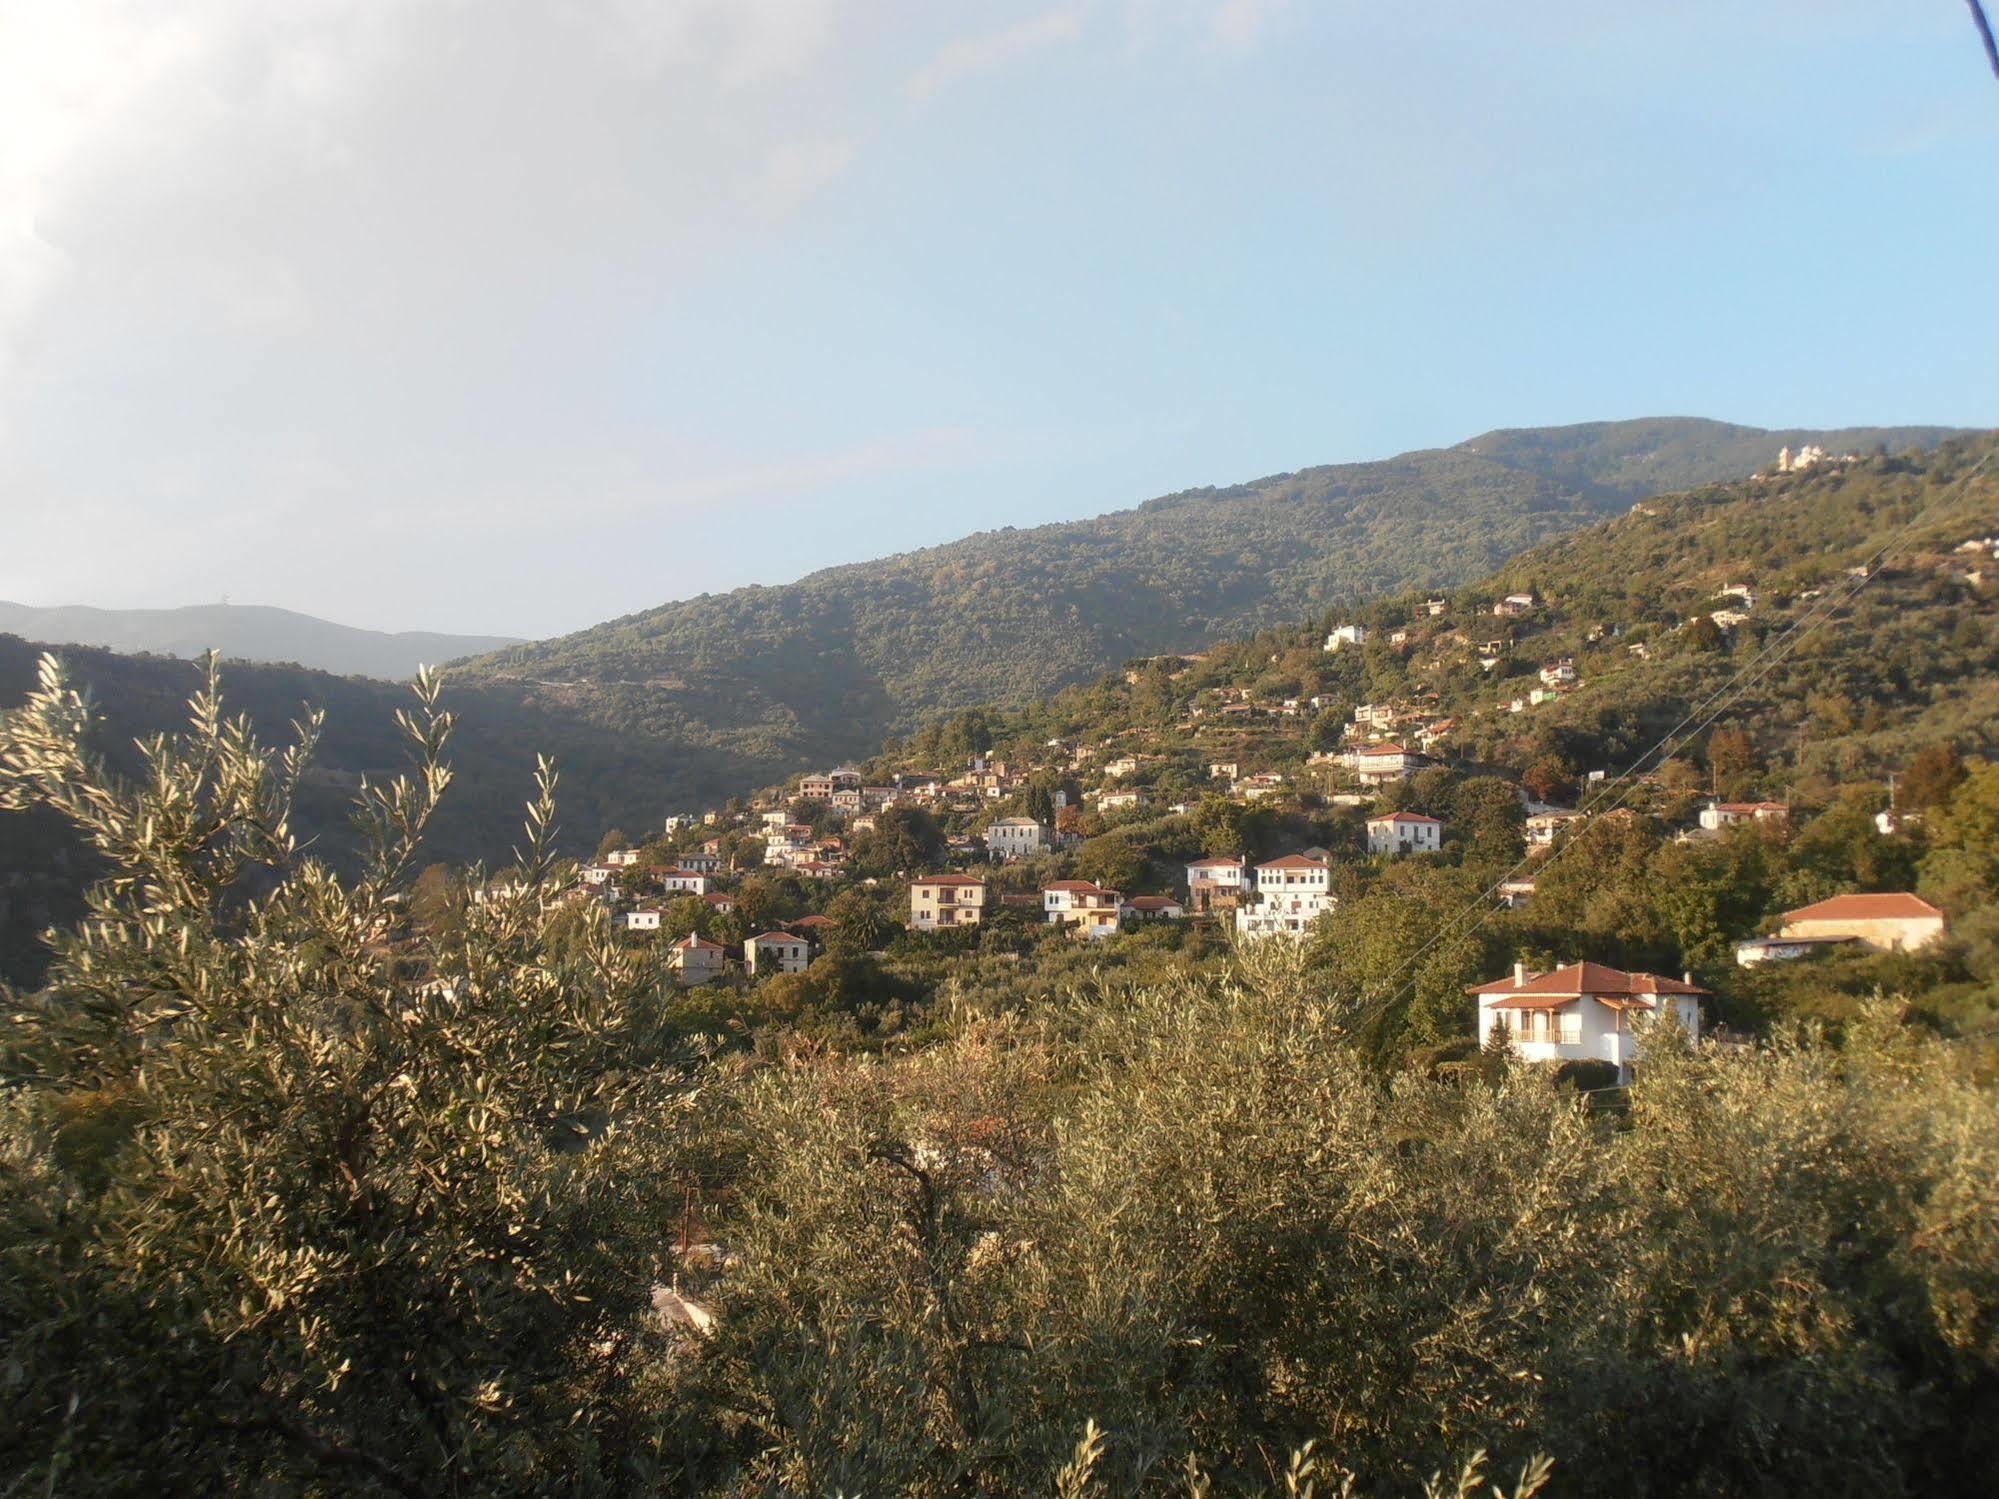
column 821, row 669
column 604, row 775
column 1630, row 604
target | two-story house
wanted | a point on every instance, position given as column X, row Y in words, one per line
column 1404, row 833
column 1015, row 838
column 695, row 961
column 1291, row 894
column 938, row 901
column 1090, row 908
column 776, row 952
column 1582, row 1012
column 1217, row 884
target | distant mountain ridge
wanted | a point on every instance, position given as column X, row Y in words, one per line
column 822, row 668
column 247, row 632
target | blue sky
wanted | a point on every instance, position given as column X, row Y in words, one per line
column 514, row 317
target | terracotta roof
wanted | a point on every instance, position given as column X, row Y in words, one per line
column 1894, row 906
column 1386, row 749
column 1292, row 861
column 1216, row 863
column 1151, row 902
column 690, row 942
column 815, row 922
column 1406, row 817
column 1577, row 979
column 1077, row 887
column 719, row 898
column 1751, row 807
column 773, row 937
column 946, row 879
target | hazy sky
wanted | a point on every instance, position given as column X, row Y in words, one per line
column 508, row 316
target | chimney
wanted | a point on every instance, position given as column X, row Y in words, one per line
column 1519, row 975
column 1686, row 976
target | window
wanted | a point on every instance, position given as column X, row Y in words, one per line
column 1571, row 1028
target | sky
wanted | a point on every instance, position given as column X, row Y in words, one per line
column 515, row 315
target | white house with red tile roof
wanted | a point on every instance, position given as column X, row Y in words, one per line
column 1583, row 1012
column 720, row 901
column 939, row 901
column 643, row 919
column 694, row 960
column 1404, row 833
column 1894, row 922
column 1291, row 894
column 1151, row 908
column 683, row 881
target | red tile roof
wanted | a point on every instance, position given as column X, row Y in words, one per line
column 1293, row 861
column 691, row 942
column 1078, row 887
column 1577, row 979
column 773, row 937
column 1406, row 817
column 1216, row 863
column 1894, row 906
column 947, row 879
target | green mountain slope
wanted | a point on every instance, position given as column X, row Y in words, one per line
column 248, row 632
column 1857, row 675
column 822, row 668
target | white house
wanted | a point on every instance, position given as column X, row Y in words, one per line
column 1090, row 908
column 1346, row 635
column 644, row 919
column 1558, row 673
column 1015, row 838
column 1112, row 801
column 1514, row 604
column 1404, row 833
column 1378, row 764
column 1544, row 827
column 596, row 874
column 695, row 960
column 776, row 952
column 622, row 858
column 1151, row 908
column 1291, row 894
column 1583, row 1012
column 1718, row 815
column 1217, row 884
column 685, row 882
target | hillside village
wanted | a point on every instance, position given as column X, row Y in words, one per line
column 1255, row 791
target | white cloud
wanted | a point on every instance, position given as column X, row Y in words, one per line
column 976, row 54
column 793, row 172
column 1239, row 23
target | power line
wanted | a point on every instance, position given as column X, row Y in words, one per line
column 1700, row 717
column 1985, row 34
